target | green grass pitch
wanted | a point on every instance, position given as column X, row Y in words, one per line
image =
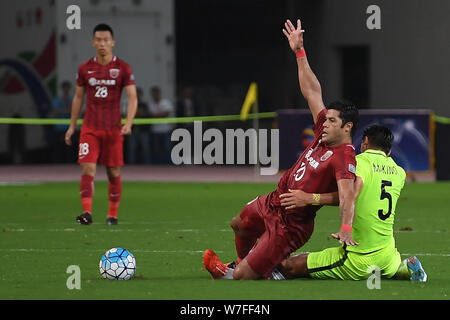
column 167, row 226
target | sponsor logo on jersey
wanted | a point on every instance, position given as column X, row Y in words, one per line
column 312, row 162
column 95, row 82
column 327, row 154
column 114, row 73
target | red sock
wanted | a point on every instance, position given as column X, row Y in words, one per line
column 114, row 194
column 86, row 192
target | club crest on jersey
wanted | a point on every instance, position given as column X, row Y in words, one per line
column 352, row 168
column 114, row 73
column 327, row 155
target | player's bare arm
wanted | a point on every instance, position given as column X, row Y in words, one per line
column 131, row 109
column 77, row 104
column 298, row 198
column 309, row 84
column 347, row 199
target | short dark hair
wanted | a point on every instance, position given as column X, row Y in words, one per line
column 103, row 27
column 347, row 112
column 379, row 137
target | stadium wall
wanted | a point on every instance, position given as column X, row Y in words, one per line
column 442, row 152
column 408, row 57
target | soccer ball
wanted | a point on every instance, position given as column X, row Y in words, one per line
column 117, row 264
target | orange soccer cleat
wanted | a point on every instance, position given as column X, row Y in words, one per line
column 212, row 263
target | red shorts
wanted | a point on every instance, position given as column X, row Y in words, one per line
column 103, row 146
column 276, row 240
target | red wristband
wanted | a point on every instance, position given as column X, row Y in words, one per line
column 300, row 53
column 346, row 227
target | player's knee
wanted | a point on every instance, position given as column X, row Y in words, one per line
column 244, row 272
column 113, row 172
column 294, row 267
column 88, row 169
column 286, row 267
column 236, row 224
column 238, row 275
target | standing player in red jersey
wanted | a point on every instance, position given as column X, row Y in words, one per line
column 101, row 140
column 267, row 231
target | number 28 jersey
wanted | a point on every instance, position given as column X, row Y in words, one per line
column 103, row 85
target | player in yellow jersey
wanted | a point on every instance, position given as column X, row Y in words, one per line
column 367, row 237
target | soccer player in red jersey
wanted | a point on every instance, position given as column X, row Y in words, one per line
column 102, row 78
column 267, row 231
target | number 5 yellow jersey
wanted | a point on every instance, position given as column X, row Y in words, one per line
column 383, row 180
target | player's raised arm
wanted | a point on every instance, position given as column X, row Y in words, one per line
column 131, row 108
column 309, row 85
column 77, row 104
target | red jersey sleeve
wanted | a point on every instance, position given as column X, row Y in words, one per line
column 127, row 75
column 80, row 76
column 344, row 163
column 318, row 126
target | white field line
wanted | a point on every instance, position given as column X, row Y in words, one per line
column 178, row 251
column 113, row 229
column 426, row 254
column 104, row 230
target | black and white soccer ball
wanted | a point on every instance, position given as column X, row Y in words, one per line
column 117, row 264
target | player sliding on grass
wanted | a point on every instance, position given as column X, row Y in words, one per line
column 265, row 232
column 379, row 181
column 101, row 140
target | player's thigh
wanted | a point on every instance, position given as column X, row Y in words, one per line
column 393, row 263
column 273, row 246
column 387, row 260
column 89, row 146
column 249, row 222
column 112, row 149
column 337, row 263
column 361, row 265
column 328, row 264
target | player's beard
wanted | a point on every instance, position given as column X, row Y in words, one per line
column 332, row 139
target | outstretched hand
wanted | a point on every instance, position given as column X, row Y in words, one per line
column 345, row 237
column 294, row 35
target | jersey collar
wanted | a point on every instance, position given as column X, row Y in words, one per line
column 373, row 151
column 112, row 60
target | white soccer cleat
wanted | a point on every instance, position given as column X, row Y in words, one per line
column 417, row 272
